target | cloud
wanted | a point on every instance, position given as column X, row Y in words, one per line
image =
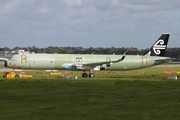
column 107, row 4
column 73, row 2
column 87, row 22
column 140, row 5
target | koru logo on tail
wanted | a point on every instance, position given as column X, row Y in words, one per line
column 158, row 46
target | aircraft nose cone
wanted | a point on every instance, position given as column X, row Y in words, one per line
column 5, row 63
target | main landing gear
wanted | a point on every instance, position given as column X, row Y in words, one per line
column 85, row 75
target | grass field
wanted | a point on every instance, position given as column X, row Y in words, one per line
column 131, row 95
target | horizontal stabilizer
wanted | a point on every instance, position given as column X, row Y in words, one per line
column 163, row 60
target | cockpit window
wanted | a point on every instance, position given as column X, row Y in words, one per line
column 12, row 59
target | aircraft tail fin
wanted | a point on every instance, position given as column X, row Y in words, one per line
column 159, row 47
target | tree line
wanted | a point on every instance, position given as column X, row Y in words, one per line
column 170, row 52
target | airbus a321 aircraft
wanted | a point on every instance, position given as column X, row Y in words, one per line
column 90, row 62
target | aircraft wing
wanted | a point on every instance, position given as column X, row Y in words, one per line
column 93, row 65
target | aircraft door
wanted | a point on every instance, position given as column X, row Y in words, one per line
column 23, row 59
column 108, row 59
column 79, row 59
column 144, row 60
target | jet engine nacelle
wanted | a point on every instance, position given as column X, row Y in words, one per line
column 72, row 66
column 68, row 66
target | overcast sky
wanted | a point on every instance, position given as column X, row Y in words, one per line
column 88, row 23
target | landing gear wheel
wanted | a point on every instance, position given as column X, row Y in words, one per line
column 91, row 75
column 84, row 75
column 16, row 76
